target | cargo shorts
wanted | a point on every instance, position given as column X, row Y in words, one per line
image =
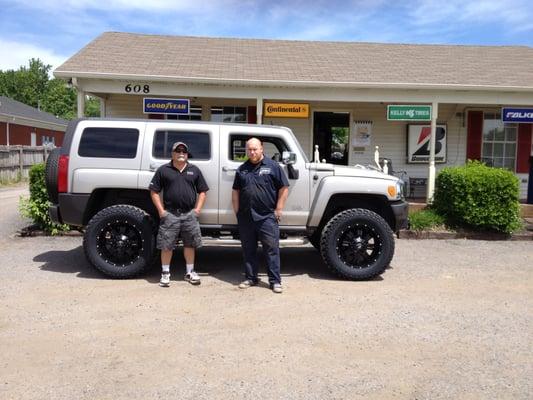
column 183, row 226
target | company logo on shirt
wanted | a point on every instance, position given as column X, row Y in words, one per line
column 190, row 173
column 264, row 171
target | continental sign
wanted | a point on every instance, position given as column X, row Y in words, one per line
column 165, row 106
column 287, row 110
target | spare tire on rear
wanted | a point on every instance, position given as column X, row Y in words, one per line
column 50, row 175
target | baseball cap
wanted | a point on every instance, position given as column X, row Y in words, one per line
column 177, row 144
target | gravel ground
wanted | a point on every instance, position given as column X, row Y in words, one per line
column 449, row 319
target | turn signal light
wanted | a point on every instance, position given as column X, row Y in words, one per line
column 392, row 191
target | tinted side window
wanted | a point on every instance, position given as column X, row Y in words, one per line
column 109, row 143
column 273, row 147
column 198, row 143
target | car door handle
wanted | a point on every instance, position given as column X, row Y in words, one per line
column 153, row 166
column 228, row 169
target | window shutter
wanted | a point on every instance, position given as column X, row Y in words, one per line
column 252, row 114
column 523, row 151
column 474, row 135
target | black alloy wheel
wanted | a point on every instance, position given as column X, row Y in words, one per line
column 120, row 243
column 359, row 246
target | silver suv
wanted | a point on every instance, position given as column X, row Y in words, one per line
column 99, row 180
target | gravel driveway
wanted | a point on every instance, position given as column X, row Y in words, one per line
column 449, row 319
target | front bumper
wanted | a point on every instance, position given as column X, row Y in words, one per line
column 400, row 209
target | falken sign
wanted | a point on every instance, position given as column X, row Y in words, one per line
column 517, row 114
column 165, row 106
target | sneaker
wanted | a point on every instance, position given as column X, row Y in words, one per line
column 277, row 288
column 193, row 278
column 165, row 280
column 247, row 283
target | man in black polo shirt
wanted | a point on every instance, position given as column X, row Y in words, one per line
column 260, row 190
column 184, row 188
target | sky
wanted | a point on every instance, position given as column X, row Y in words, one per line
column 53, row 30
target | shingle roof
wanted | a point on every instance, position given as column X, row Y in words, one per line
column 15, row 108
column 301, row 62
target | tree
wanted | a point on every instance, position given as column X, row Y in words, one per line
column 59, row 99
column 27, row 84
column 92, row 107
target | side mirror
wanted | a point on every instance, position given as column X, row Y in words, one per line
column 288, row 158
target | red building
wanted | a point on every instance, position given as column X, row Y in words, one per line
column 21, row 124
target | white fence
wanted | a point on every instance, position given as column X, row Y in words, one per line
column 16, row 161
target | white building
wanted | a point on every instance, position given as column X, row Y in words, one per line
column 332, row 94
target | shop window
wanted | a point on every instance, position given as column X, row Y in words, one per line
column 195, row 114
column 499, row 142
column 197, row 142
column 229, row 114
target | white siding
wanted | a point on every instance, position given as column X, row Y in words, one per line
column 300, row 127
column 124, row 106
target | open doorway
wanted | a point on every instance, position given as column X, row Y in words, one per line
column 331, row 132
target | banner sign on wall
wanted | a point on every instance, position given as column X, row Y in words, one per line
column 165, row 106
column 403, row 112
column 286, row 110
column 362, row 134
column 517, row 114
column 418, row 143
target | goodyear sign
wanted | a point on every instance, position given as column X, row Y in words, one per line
column 286, row 110
column 166, row 106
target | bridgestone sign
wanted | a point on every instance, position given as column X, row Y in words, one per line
column 408, row 113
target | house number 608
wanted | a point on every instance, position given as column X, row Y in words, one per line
column 136, row 88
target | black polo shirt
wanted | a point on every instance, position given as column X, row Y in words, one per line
column 258, row 186
column 179, row 188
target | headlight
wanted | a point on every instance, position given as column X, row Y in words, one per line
column 401, row 189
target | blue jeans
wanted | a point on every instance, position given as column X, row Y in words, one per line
column 267, row 232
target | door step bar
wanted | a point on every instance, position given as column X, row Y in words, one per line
column 228, row 241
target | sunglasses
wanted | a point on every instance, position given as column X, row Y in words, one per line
column 180, row 151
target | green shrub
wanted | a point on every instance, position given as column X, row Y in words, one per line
column 425, row 219
column 36, row 207
column 478, row 197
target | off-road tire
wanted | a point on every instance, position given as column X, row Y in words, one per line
column 50, row 175
column 120, row 241
column 357, row 244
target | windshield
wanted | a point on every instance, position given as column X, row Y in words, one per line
column 302, row 152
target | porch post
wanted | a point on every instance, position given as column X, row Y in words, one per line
column 259, row 110
column 431, row 170
column 81, row 103
column 103, row 106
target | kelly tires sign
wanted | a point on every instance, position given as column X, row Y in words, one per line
column 418, row 143
column 408, row 113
